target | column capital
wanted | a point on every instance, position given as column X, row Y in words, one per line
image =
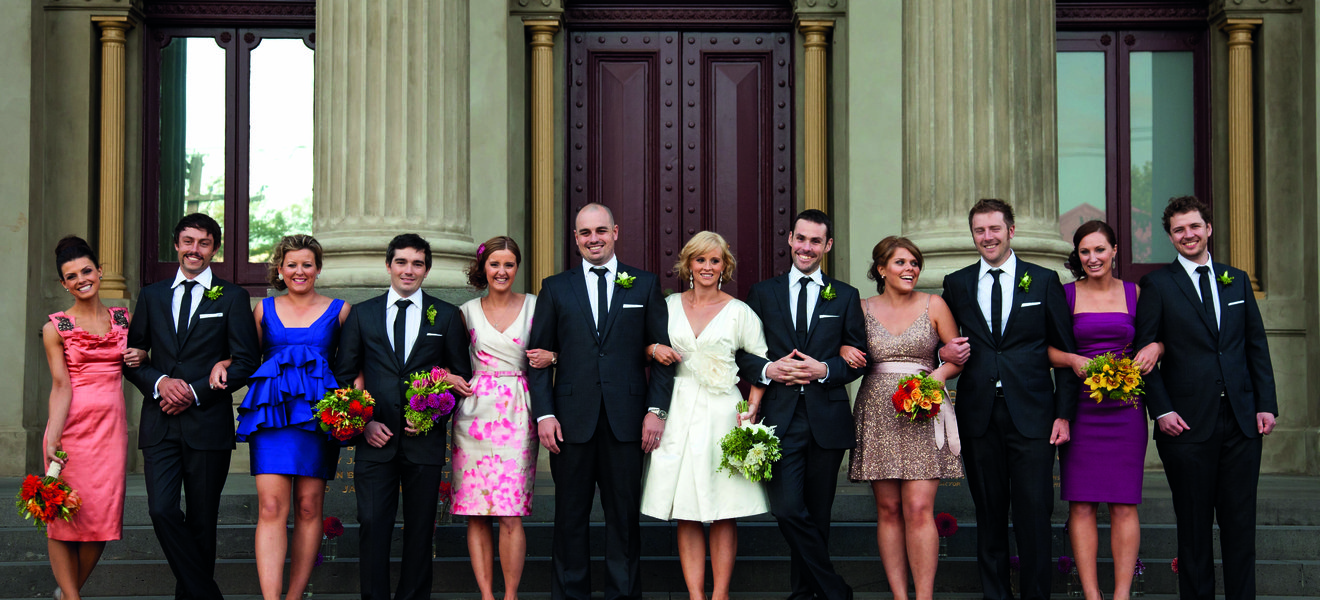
column 113, row 27
column 543, row 29
column 815, row 29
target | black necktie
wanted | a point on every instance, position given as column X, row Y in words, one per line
column 401, row 327
column 1208, row 298
column 602, row 298
column 802, row 311
column 997, row 306
column 185, row 310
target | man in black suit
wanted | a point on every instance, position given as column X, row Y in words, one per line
column 385, row 339
column 807, row 316
column 188, row 324
column 595, row 411
column 1011, row 415
column 1212, row 398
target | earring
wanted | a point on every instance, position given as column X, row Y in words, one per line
column 692, row 282
column 719, row 284
column 280, row 276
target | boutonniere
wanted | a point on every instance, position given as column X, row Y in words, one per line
column 828, row 292
column 1224, row 279
column 1025, row 282
column 430, row 315
column 215, row 293
column 624, row 280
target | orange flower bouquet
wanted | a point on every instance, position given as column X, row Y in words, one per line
column 918, row 398
column 44, row 499
column 344, row 412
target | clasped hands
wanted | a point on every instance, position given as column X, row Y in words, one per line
column 796, row 368
column 175, row 395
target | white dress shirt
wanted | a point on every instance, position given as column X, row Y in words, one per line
column 413, row 318
column 203, row 280
column 985, row 286
column 591, row 278
column 814, row 288
column 1191, row 267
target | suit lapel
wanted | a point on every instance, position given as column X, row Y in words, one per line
column 163, row 308
column 973, row 283
column 426, row 303
column 195, row 316
column 820, row 308
column 780, row 288
column 578, row 283
column 616, row 303
column 1018, row 296
column 1184, row 283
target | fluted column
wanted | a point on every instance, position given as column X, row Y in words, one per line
column 1241, row 153
column 114, row 34
column 391, row 150
column 815, row 49
column 979, row 122
column 542, row 106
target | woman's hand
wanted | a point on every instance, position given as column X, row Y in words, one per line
column 664, row 354
column 1149, row 356
column 51, row 457
column 854, row 357
column 1079, row 365
column 753, row 410
column 219, row 375
column 134, row 357
column 540, row 359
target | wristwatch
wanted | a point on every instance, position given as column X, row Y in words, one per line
column 659, row 413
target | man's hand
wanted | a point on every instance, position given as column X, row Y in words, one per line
column 1059, row 436
column 1172, row 424
column 550, row 434
column 783, row 370
column 957, row 351
column 461, row 386
column 1264, row 423
column 377, row 434
column 173, row 391
column 810, row 369
column 652, row 428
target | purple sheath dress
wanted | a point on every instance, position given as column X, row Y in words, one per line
column 1104, row 460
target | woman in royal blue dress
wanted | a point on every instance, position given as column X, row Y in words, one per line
column 291, row 457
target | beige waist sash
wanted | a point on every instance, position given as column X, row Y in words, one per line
column 946, row 422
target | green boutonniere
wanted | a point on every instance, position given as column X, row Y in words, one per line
column 828, row 292
column 1025, row 282
column 1224, row 279
column 215, row 293
column 430, row 315
column 624, row 280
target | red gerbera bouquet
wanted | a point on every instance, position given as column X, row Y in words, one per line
column 918, row 397
column 44, row 499
column 344, row 412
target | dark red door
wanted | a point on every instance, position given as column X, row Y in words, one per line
column 683, row 132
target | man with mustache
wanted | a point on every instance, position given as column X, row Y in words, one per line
column 188, row 324
column 1212, row 398
column 807, row 317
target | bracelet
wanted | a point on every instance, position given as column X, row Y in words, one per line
column 651, row 351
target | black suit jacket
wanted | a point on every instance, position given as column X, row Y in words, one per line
column 609, row 369
column 364, row 347
column 1198, row 364
column 218, row 329
column 1038, row 318
column 834, row 323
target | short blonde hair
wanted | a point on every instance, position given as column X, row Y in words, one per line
column 701, row 243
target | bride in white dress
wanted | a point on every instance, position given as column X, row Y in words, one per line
column 707, row 327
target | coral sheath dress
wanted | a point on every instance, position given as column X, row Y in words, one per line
column 96, row 431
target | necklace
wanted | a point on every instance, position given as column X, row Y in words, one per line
column 497, row 314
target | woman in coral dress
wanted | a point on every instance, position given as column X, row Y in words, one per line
column 87, row 347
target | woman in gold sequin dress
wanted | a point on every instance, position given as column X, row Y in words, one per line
column 903, row 460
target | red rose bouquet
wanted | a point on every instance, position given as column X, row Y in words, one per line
column 44, row 499
column 429, row 399
column 918, row 397
column 344, row 412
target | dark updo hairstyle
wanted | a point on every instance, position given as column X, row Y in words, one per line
column 71, row 248
column 476, row 272
column 290, row 243
column 1074, row 262
column 884, row 252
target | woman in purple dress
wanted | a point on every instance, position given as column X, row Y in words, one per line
column 1105, row 459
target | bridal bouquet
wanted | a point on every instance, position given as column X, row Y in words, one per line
column 344, row 412
column 1115, row 378
column 918, row 397
column 44, row 499
column 429, row 399
column 750, row 449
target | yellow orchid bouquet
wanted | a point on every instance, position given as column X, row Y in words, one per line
column 1109, row 376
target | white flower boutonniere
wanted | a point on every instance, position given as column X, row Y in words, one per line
column 624, row 280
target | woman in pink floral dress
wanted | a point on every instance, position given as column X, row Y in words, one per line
column 495, row 443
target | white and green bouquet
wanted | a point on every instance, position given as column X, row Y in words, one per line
column 750, row 449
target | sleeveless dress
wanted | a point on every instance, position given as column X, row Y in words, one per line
column 1106, row 457
column 96, row 430
column 495, row 443
column 277, row 418
column 890, row 447
column 682, row 480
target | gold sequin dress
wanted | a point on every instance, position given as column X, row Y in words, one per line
column 889, row 447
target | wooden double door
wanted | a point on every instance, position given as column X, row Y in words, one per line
column 679, row 132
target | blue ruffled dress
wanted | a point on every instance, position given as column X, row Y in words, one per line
column 277, row 419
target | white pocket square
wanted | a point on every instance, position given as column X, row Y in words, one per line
column 634, row 306
column 435, row 334
column 210, row 315
column 829, row 316
column 1026, row 304
column 1236, row 303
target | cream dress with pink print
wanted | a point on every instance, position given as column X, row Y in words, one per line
column 495, row 441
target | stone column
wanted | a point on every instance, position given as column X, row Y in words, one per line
column 391, row 150
column 979, row 122
column 542, row 106
column 1241, row 154
column 815, row 49
column 114, row 30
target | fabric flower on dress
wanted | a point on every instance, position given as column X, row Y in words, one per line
column 715, row 372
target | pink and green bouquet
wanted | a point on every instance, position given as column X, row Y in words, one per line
column 429, row 399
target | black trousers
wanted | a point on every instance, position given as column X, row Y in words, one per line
column 377, row 488
column 1006, row 468
column 801, row 496
column 188, row 538
column 1215, row 479
column 616, row 468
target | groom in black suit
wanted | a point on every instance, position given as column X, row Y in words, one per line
column 807, row 316
column 188, row 324
column 1011, row 415
column 1212, row 399
column 595, row 410
column 387, row 338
